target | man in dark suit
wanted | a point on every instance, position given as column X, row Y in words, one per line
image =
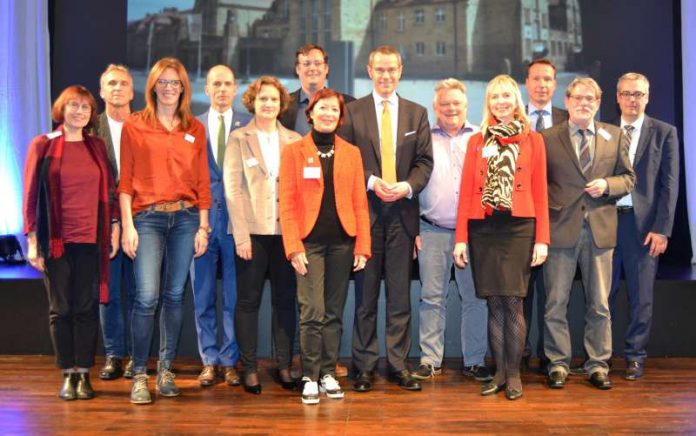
column 393, row 135
column 219, row 121
column 116, row 89
column 588, row 170
column 312, row 68
column 541, row 85
column 646, row 215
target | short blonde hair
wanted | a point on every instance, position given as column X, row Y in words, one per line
column 385, row 50
column 584, row 81
column 506, row 82
column 449, row 83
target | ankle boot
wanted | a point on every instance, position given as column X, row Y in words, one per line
column 67, row 391
column 84, row 389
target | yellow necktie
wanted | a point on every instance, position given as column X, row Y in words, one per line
column 387, row 146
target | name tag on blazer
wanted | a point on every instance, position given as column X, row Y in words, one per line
column 604, row 134
column 312, row 172
column 412, row 132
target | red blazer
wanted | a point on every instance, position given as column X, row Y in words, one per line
column 300, row 197
column 529, row 198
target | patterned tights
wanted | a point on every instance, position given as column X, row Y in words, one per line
column 507, row 332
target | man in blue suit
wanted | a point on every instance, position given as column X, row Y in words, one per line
column 646, row 215
column 219, row 120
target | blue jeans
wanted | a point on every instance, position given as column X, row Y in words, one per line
column 165, row 251
column 220, row 252
column 435, row 262
column 111, row 314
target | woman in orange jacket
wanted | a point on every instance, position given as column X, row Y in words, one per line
column 326, row 230
column 503, row 217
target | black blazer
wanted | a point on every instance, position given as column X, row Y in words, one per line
column 290, row 115
column 414, row 152
column 657, row 177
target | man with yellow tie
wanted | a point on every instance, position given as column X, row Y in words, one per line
column 393, row 135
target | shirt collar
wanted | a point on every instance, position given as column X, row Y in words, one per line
column 637, row 124
column 304, row 98
column 393, row 98
column 547, row 109
column 227, row 113
column 467, row 128
column 574, row 128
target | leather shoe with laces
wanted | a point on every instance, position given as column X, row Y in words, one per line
column 363, row 382
column 426, row 371
column 67, row 391
column 601, row 381
column 232, row 377
column 111, row 369
column 405, row 381
column 83, row 389
column 634, row 371
column 207, row 376
column 140, row 394
column 556, row 379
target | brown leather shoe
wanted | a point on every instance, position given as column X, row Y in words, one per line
column 341, row 370
column 207, row 376
column 231, row 376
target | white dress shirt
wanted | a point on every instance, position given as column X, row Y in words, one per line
column 270, row 150
column 627, row 200
column 115, row 128
column 214, row 125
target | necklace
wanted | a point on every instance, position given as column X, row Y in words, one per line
column 326, row 155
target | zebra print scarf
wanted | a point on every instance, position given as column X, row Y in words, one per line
column 500, row 178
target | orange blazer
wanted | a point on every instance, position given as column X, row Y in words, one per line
column 529, row 197
column 300, row 197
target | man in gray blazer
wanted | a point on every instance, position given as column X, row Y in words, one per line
column 541, row 85
column 393, row 135
column 116, row 89
column 588, row 170
column 646, row 215
column 219, row 121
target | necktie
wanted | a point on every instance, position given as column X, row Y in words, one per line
column 387, row 146
column 628, row 131
column 585, row 158
column 539, row 126
column 221, row 143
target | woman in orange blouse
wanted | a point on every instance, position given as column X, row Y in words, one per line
column 164, row 197
column 326, row 230
column 503, row 216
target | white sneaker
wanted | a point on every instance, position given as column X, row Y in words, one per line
column 330, row 386
column 310, row 392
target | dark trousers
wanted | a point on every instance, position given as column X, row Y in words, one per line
column 392, row 254
column 639, row 270
column 268, row 260
column 321, row 295
column 536, row 298
column 73, row 302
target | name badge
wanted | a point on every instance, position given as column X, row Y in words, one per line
column 189, row 138
column 312, row 172
column 252, row 162
column 489, row 151
column 606, row 135
column 54, row 135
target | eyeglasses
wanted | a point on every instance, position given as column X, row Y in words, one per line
column 308, row 64
column 586, row 98
column 627, row 95
column 77, row 107
column 162, row 83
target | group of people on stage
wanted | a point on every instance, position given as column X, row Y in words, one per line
column 310, row 187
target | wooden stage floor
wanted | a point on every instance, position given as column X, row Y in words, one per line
column 663, row 401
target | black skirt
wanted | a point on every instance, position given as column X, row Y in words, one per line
column 500, row 246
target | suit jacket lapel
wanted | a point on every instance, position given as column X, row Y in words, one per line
column 253, row 141
column 401, row 123
column 646, row 133
column 105, row 133
column 212, row 165
column 310, row 158
column 370, row 122
column 568, row 146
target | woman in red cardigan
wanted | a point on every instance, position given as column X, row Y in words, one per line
column 70, row 219
column 326, row 230
column 503, row 218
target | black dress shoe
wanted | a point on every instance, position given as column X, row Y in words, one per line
column 289, row 385
column 252, row 389
column 363, row 382
column 634, row 371
column 601, row 381
column 513, row 394
column 491, row 388
column 67, row 391
column 84, row 389
column 405, row 381
column 111, row 369
column 556, row 380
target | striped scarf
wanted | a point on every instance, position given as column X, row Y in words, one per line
column 500, row 177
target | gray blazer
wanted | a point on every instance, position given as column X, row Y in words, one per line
column 248, row 189
column 568, row 203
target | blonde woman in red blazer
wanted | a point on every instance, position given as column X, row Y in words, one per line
column 503, row 220
column 325, row 225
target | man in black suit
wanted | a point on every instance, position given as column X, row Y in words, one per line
column 646, row 215
column 116, row 89
column 312, row 68
column 393, row 135
column 541, row 85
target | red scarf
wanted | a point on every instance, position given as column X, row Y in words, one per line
column 49, row 203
